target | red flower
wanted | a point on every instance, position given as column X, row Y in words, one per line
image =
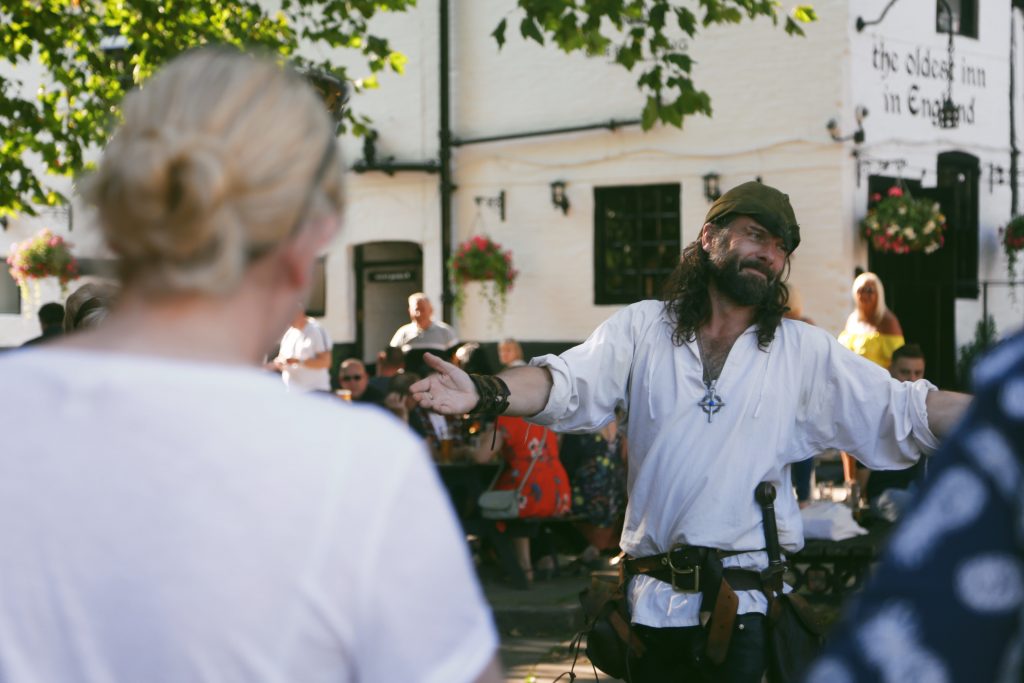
column 895, row 191
column 876, row 197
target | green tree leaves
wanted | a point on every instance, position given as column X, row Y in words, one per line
column 92, row 51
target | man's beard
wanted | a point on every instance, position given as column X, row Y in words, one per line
column 743, row 288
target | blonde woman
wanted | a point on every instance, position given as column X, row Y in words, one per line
column 872, row 330
column 182, row 518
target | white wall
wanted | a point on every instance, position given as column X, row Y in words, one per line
column 771, row 102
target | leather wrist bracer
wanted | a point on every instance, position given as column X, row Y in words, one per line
column 494, row 395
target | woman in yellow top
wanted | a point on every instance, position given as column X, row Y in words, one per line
column 872, row 330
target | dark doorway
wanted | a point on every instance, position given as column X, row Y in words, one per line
column 386, row 274
column 920, row 289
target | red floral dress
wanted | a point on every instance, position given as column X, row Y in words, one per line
column 547, row 492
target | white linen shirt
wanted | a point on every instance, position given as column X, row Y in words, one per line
column 692, row 481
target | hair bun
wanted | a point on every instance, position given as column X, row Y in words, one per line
column 213, row 155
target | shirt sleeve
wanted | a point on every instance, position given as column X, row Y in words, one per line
column 398, row 338
column 321, row 340
column 422, row 613
column 589, row 380
column 946, row 602
column 850, row 403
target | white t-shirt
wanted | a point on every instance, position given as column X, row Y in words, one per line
column 692, row 481
column 305, row 344
column 439, row 337
column 176, row 521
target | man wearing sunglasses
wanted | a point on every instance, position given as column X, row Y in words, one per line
column 353, row 377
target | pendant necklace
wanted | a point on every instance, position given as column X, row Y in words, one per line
column 711, row 403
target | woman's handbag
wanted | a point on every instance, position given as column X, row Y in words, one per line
column 504, row 504
column 499, row 504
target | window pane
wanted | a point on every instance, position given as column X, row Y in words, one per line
column 636, row 241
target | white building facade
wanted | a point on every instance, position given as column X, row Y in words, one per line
column 636, row 198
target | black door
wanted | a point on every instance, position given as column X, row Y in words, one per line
column 920, row 290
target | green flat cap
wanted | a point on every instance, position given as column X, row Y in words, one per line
column 765, row 204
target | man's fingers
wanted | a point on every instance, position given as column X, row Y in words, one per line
column 437, row 363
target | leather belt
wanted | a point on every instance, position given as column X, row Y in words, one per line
column 697, row 569
column 681, row 567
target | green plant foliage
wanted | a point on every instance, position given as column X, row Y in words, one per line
column 482, row 259
column 77, row 106
column 1012, row 237
column 649, row 35
column 985, row 336
column 900, row 224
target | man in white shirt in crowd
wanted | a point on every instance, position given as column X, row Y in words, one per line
column 304, row 359
column 722, row 394
column 424, row 332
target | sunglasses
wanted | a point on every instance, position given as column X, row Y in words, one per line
column 351, row 378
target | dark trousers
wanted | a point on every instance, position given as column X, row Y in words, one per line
column 676, row 655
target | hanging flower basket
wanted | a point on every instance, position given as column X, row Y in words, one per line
column 900, row 224
column 480, row 258
column 44, row 255
column 1012, row 237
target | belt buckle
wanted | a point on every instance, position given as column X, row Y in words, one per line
column 693, row 572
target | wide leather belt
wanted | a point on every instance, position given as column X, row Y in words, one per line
column 681, row 567
column 698, row 569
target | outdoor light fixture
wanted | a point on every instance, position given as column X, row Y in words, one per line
column 996, row 176
column 558, row 198
column 863, row 23
column 711, row 188
column 494, row 202
column 949, row 114
column 859, row 113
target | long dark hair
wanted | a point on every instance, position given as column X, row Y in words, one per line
column 688, row 304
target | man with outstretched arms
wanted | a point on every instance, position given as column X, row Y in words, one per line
column 722, row 394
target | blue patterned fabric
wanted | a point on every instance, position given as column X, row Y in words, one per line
column 946, row 603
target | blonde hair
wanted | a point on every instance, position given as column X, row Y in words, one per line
column 880, row 308
column 212, row 166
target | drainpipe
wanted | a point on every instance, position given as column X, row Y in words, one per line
column 445, row 187
column 1014, row 151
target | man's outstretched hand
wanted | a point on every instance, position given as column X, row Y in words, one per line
column 449, row 391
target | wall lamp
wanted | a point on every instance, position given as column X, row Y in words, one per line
column 859, row 113
column 558, row 198
column 712, row 190
column 949, row 113
column 996, row 176
column 493, row 202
